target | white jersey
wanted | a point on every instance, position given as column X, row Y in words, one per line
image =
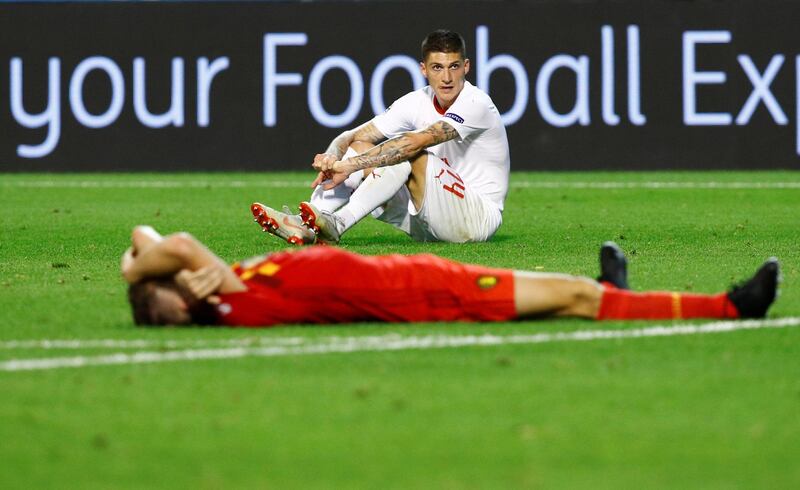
column 480, row 153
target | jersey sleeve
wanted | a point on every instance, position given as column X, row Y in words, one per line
column 398, row 118
column 469, row 116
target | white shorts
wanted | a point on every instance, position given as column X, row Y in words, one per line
column 450, row 212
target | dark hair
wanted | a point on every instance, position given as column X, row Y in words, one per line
column 443, row 41
column 148, row 311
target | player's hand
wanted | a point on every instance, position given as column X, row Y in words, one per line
column 321, row 177
column 202, row 282
column 333, row 175
column 324, row 161
column 336, row 175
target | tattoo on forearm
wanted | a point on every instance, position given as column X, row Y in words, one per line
column 441, row 132
column 402, row 148
column 390, row 152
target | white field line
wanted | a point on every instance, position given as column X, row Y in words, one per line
column 657, row 185
column 151, row 184
column 145, row 343
column 391, row 342
column 237, row 184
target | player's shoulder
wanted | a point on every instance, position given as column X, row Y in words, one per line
column 475, row 95
column 412, row 99
column 475, row 103
column 420, row 95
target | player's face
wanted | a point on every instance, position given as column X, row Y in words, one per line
column 445, row 73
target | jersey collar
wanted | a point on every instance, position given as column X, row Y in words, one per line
column 438, row 107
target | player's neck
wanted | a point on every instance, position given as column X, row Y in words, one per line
column 441, row 108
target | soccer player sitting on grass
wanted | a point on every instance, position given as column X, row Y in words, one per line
column 176, row 280
column 442, row 174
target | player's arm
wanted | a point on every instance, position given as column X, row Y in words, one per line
column 142, row 237
column 166, row 256
column 366, row 133
column 401, row 148
column 390, row 152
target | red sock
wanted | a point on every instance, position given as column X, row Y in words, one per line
column 621, row 304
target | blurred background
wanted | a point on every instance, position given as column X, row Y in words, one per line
column 264, row 85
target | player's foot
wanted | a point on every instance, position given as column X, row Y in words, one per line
column 613, row 266
column 286, row 226
column 322, row 222
column 754, row 297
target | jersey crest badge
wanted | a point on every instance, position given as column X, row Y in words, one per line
column 487, row 282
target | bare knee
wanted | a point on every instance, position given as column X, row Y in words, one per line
column 584, row 298
column 548, row 294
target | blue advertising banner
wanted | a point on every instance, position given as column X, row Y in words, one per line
column 630, row 84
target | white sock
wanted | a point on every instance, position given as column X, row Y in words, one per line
column 333, row 199
column 375, row 190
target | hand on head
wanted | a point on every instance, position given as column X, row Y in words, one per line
column 202, row 282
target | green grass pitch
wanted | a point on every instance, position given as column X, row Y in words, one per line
column 692, row 411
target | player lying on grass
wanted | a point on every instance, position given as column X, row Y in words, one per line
column 176, row 280
column 434, row 165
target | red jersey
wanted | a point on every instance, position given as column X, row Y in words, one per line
column 322, row 284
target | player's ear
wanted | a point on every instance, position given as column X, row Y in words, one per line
column 466, row 66
column 422, row 69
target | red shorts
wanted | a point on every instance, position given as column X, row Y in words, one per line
column 323, row 284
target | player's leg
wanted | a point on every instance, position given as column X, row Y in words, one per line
column 376, row 189
column 293, row 227
column 332, row 199
column 454, row 214
column 540, row 294
column 562, row 295
column 416, row 181
column 447, row 208
column 749, row 300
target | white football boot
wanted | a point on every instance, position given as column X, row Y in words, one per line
column 283, row 225
column 322, row 222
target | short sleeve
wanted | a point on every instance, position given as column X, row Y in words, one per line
column 399, row 117
column 470, row 115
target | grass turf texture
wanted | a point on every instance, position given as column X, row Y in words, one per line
column 703, row 411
